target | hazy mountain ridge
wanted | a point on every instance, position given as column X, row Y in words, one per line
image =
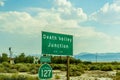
column 93, row 57
column 100, row 57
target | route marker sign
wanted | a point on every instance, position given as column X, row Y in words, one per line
column 57, row 44
column 45, row 59
column 45, row 71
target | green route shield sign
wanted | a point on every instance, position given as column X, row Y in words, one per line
column 45, row 71
column 45, row 59
column 57, row 44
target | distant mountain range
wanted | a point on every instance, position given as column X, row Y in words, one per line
column 99, row 57
column 93, row 57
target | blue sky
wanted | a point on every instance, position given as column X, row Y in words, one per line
column 93, row 23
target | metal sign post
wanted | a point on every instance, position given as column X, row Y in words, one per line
column 68, row 68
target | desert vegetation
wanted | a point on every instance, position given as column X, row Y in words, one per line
column 24, row 64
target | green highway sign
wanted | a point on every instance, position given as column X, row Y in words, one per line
column 45, row 59
column 57, row 44
column 45, row 71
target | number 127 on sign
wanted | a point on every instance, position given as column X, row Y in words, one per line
column 45, row 73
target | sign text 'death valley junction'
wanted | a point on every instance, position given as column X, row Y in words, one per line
column 57, row 44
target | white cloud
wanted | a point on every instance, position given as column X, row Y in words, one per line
column 116, row 1
column 24, row 23
column 95, row 41
column 67, row 11
column 1, row 3
column 86, row 39
column 63, row 3
column 108, row 14
column 17, row 22
column 63, row 19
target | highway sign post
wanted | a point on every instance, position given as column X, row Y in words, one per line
column 57, row 44
column 45, row 71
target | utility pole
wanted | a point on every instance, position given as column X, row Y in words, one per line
column 68, row 68
column 96, row 57
column 11, row 59
column 10, row 52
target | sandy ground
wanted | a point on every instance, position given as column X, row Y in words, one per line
column 88, row 75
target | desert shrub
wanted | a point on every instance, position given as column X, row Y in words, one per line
column 8, row 70
column 5, row 64
column 117, row 76
column 83, row 66
column 87, row 62
column 2, row 70
column 62, row 67
column 17, row 77
column 107, row 68
column 23, row 69
column 37, row 65
column 1, row 65
column 73, row 68
column 31, row 78
column 14, row 76
column 76, row 73
column 33, row 72
column 28, row 64
column 59, row 67
column 76, row 70
column 114, row 63
column 17, row 66
column 12, row 71
column 4, row 77
column 94, row 67
column 34, row 68
column 21, row 77
column 117, row 67
column 118, row 73
column 55, row 66
column 12, row 66
column 57, row 76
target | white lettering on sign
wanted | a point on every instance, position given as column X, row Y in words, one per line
column 51, row 37
column 57, row 45
column 46, row 73
column 65, row 39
